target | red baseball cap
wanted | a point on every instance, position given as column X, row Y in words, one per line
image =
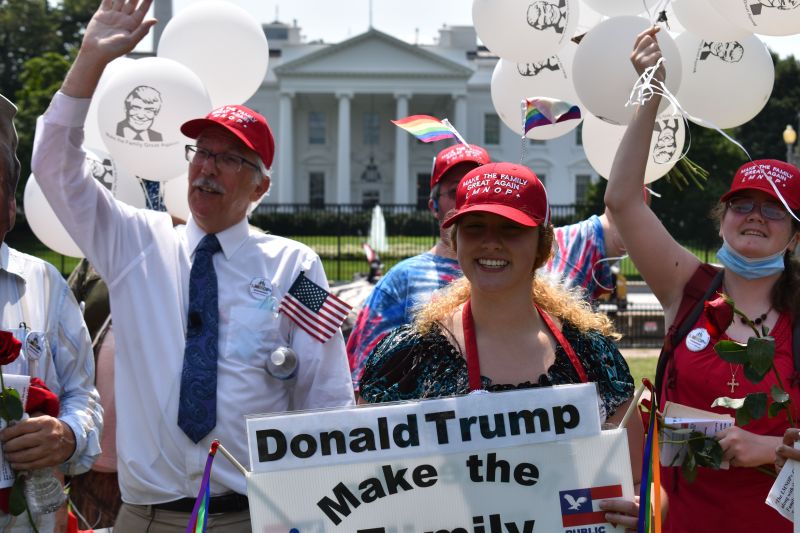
column 753, row 176
column 506, row 189
column 453, row 155
column 250, row 127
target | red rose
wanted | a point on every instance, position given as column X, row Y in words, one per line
column 719, row 315
column 9, row 347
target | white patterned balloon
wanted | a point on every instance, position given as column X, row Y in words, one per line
column 44, row 223
column 223, row 44
column 725, row 83
column 601, row 140
column 512, row 82
column 91, row 130
column 765, row 17
column 525, row 31
column 140, row 113
column 616, row 8
column 700, row 17
column 602, row 71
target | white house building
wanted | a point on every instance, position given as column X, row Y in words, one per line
column 330, row 107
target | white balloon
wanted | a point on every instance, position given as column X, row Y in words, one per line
column 700, row 18
column 602, row 71
column 588, row 19
column 44, row 223
column 524, row 31
column 601, row 140
column 512, row 82
column 91, row 130
column 150, row 98
column 123, row 185
column 223, row 44
column 616, row 8
column 766, row 17
column 725, row 83
column 176, row 197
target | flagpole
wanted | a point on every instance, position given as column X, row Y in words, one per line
column 523, row 109
column 632, row 406
column 455, row 132
column 232, row 459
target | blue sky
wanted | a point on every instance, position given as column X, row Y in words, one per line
column 410, row 20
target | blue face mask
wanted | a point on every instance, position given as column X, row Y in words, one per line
column 747, row 267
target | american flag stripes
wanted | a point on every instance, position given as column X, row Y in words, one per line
column 318, row 312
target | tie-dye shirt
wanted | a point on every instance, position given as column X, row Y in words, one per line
column 578, row 248
column 406, row 285
column 413, row 281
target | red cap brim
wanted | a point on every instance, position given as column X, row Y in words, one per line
column 195, row 127
column 505, row 211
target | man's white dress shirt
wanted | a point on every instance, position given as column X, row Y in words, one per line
column 39, row 308
column 146, row 264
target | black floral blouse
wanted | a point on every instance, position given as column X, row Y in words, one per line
column 406, row 365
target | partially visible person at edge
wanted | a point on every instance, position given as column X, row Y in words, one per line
column 760, row 275
column 500, row 325
column 39, row 309
column 165, row 428
column 577, row 261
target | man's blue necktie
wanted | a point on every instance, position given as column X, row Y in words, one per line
column 197, row 411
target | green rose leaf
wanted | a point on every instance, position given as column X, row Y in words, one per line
column 689, row 466
column 710, row 454
column 16, row 500
column 13, row 404
column 761, row 353
column 754, row 407
column 732, row 352
column 776, row 407
column 778, row 394
column 753, row 375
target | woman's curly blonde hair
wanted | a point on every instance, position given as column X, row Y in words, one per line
column 563, row 304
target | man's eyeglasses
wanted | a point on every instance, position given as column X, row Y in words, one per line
column 769, row 210
column 225, row 162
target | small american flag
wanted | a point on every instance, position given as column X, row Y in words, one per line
column 318, row 312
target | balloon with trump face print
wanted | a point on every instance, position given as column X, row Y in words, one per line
column 512, row 82
column 527, row 30
column 725, row 83
column 765, row 17
column 140, row 113
column 601, row 140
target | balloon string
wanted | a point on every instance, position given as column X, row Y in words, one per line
column 597, row 263
column 644, row 89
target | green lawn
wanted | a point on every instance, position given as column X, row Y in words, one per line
column 642, row 367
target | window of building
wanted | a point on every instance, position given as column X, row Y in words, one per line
column 316, row 189
column 542, row 177
column 582, row 182
column 491, row 129
column 579, row 134
column 316, row 127
column 538, row 142
column 423, row 189
column 372, row 128
column 370, row 198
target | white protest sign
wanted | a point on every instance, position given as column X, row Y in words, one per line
column 549, row 487
column 413, row 429
column 490, row 463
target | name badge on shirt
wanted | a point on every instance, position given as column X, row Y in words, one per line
column 260, row 288
column 697, row 339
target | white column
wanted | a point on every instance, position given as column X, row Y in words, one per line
column 343, row 149
column 401, row 137
column 284, row 184
column 460, row 118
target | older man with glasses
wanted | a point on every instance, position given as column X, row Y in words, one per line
column 191, row 360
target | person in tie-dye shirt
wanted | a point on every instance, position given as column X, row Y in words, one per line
column 413, row 281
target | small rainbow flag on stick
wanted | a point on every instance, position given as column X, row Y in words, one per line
column 650, row 489
column 429, row 129
column 199, row 518
column 541, row 111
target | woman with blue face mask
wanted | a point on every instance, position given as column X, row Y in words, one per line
column 760, row 274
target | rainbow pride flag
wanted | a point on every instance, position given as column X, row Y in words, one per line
column 426, row 128
column 542, row 111
column 199, row 519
